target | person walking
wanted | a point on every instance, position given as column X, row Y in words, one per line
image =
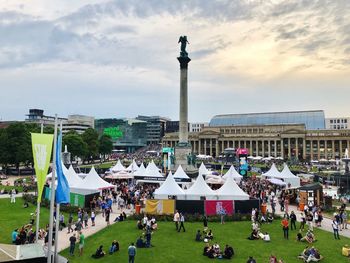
column 293, row 219
column 335, row 226
column 70, row 223
column 182, row 220
column 93, row 218
column 86, row 219
column 13, row 196
column 285, row 227
column 132, row 253
column 72, row 241
column 302, row 221
column 107, row 214
column 81, row 243
column 177, row 219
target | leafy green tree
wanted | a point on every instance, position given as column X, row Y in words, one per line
column 75, row 144
column 105, row 145
column 90, row 137
column 4, row 158
column 19, row 147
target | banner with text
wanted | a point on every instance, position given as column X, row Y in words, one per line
column 42, row 149
column 160, row 207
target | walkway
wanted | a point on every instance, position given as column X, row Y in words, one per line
column 326, row 222
column 100, row 223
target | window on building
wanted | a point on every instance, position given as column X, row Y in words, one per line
column 331, row 121
column 238, row 131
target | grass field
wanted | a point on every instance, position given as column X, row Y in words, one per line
column 173, row 247
column 14, row 216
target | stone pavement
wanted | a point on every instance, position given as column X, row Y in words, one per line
column 325, row 225
column 100, row 223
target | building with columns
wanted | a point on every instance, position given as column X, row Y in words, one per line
column 276, row 140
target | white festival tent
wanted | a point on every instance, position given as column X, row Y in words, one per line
column 289, row 177
column 64, row 168
column 200, row 189
column 152, row 170
column 180, row 173
column 120, row 175
column 133, row 167
column 231, row 191
column 169, row 188
column 273, row 172
column 118, row 167
column 92, row 183
column 203, row 170
column 233, row 172
column 72, row 177
column 140, row 171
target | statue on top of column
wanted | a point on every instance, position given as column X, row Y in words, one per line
column 184, row 42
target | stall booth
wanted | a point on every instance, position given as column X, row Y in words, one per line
column 310, row 194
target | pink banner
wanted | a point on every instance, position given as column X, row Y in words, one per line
column 213, row 207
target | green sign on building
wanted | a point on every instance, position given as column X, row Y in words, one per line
column 114, row 132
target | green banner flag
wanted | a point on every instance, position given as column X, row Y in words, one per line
column 42, row 148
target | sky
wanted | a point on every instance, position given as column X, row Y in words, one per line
column 112, row 59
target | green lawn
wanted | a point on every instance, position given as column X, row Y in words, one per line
column 170, row 246
column 14, row 216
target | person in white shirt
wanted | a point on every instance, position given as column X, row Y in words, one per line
column 13, row 196
column 177, row 219
column 335, row 227
column 266, row 237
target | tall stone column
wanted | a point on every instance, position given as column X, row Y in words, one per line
column 289, row 149
column 205, row 146
column 333, row 150
column 312, row 149
column 183, row 126
column 340, row 148
column 297, row 147
column 275, row 148
column 282, row 148
column 211, row 147
column 269, row 148
column 217, row 148
column 199, row 146
column 304, row 148
column 318, row 150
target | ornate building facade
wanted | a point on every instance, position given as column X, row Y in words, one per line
column 285, row 140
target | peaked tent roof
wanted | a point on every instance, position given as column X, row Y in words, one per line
column 72, row 177
column 273, row 172
column 169, row 187
column 64, row 168
column 199, row 188
column 94, row 181
column 232, row 172
column 152, row 170
column 180, row 173
column 202, row 170
column 286, row 173
column 118, row 167
column 231, row 191
column 132, row 167
column 140, row 171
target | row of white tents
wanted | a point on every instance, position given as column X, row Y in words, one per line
column 84, row 183
column 200, row 189
column 285, row 177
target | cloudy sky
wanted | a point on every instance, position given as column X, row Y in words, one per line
column 118, row 58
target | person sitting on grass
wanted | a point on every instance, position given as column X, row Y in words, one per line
column 140, row 243
column 269, row 218
column 254, row 235
column 119, row 218
column 209, row 235
column 299, row 236
column 272, row 259
column 266, row 237
column 228, row 252
column 217, row 249
column 206, row 249
column 139, row 225
column 198, row 236
column 99, row 253
column 114, row 247
column 154, row 224
column 309, row 237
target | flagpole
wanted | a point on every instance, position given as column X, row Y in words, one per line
column 52, row 200
column 57, row 214
column 38, row 203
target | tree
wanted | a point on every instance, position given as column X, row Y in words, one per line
column 90, row 137
column 75, row 144
column 105, row 145
column 19, row 147
column 4, row 160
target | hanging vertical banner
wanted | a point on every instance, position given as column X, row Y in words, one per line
column 213, row 207
column 42, row 147
column 62, row 190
